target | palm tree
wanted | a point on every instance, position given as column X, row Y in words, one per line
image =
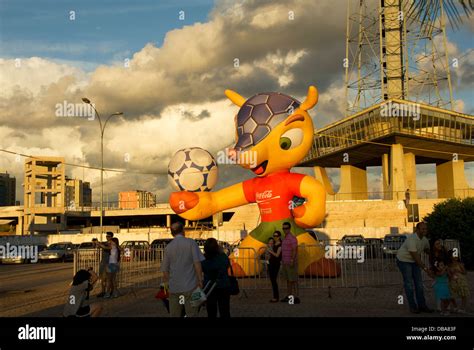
column 427, row 11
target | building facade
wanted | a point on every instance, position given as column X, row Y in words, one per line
column 136, row 199
column 78, row 194
column 7, row 190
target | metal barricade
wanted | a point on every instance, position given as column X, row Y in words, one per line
column 140, row 268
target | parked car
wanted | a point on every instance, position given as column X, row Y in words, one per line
column 160, row 243
column 63, row 251
column 88, row 251
column 352, row 240
column 135, row 244
column 86, row 245
column 391, row 244
column 373, row 248
column 23, row 257
column 135, row 250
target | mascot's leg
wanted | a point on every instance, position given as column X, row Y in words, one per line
column 311, row 260
column 246, row 258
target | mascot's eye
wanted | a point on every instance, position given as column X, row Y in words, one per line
column 285, row 143
column 291, row 139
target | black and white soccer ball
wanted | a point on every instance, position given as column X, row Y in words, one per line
column 192, row 169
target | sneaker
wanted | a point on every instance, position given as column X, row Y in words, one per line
column 462, row 311
column 445, row 313
column 100, row 295
column 115, row 295
column 414, row 311
column 426, row 310
column 285, row 299
column 107, row 295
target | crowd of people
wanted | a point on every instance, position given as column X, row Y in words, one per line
column 444, row 267
column 186, row 269
column 190, row 277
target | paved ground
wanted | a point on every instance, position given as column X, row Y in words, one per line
column 41, row 290
column 32, row 287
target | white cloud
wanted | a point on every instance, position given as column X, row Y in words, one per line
column 32, row 74
column 172, row 96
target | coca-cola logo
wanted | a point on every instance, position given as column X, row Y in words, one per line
column 264, row 195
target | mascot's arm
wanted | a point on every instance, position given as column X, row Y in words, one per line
column 313, row 211
column 200, row 205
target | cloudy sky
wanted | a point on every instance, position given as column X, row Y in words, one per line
column 165, row 64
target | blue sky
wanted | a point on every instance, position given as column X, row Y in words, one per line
column 103, row 31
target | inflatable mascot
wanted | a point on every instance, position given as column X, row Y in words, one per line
column 278, row 131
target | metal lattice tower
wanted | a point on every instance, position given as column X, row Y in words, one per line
column 390, row 54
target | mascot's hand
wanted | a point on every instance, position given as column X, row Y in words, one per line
column 192, row 205
column 303, row 217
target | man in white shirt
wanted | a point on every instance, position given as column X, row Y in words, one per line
column 410, row 264
column 182, row 269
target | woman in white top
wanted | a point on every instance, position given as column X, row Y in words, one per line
column 112, row 268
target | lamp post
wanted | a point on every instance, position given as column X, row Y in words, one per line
column 102, row 129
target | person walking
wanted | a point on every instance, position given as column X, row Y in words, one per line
column 410, row 265
column 289, row 267
column 215, row 268
column 182, row 271
column 274, row 250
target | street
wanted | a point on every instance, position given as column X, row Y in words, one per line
column 40, row 290
column 26, row 288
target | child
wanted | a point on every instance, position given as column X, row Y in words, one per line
column 270, row 244
column 441, row 286
column 457, row 281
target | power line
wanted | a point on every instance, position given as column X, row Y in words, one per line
column 87, row 166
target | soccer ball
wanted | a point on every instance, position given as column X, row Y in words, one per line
column 192, row 169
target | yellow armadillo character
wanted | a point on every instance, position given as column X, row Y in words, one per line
column 274, row 133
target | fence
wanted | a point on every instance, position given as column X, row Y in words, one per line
column 361, row 265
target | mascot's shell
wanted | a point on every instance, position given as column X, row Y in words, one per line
column 260, row 114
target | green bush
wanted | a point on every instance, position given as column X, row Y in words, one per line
column 454, row 219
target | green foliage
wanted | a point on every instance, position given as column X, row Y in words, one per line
column 454, row 219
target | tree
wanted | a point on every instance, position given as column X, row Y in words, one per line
column 454, row 219
column 428, row 11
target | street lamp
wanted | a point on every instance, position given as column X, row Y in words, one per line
column 102, row 129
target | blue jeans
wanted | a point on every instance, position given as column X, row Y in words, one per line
column 413, row 284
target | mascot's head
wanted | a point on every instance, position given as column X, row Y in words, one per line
column 274, row 131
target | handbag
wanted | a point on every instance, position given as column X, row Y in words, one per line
column 199, row 296
column 234, row 283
